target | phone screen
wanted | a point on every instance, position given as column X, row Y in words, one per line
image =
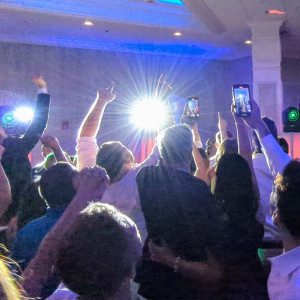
column 241, row 96
column 193, row 107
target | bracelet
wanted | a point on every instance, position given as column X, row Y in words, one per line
column 176, row 265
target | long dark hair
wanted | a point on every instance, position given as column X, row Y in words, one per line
column 234, row 189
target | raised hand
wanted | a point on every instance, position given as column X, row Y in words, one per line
column 254, row 120
column 50, row 141
column 92, row 181
column 39, row 81
column 222, row 124
column 106, row 95
column 163, row 88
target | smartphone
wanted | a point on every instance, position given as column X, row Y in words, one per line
column 241, row 99
column 193, row 107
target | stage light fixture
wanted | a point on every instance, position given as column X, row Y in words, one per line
column 291, row 119
column 23, row 114
column 8, row 120
column 149, row 114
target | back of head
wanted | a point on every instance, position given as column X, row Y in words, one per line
column 98, row 253
column 288, row 198
column 56, row 185
column 283, row 144
column 112, row 156
column 175, row 145
column 271, row 126
column 228, row 146
column 234, row 189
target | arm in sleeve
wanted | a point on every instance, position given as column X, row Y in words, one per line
column 277, row 159
column 87, row 150
column 151, row 160
column 38, row 124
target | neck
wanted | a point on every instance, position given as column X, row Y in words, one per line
column 289, row 242
column 182, row 165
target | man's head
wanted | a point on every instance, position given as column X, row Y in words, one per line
column 283, row 144
column 211, row 148
column 99, row 252
column 57, row 185
column 175, row 145
column 116, row 159
column 286, row 199
column 271, row 126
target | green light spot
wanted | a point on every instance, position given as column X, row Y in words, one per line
column 293, row 115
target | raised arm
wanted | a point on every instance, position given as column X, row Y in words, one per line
column 222, row 124
column 52, row 143
column 5, row 191
column 245, row 147
column 277, row 159
column 92, row 184
column 201, row 171
column 87, row 147
column 40, row 117
column 91, row 123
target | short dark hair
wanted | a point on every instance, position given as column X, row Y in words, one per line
column 56, row 185
column 283, row 144
column 272, row 128
column 99, row 252
column 175, row 144
column 112, row 156
column 287, row 197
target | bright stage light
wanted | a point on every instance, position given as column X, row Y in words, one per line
column 24, row 114
column 148, row 114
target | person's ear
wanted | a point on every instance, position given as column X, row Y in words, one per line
column 276, row 217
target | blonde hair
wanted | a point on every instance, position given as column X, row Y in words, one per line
column 9, row 287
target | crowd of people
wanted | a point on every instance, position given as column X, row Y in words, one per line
column 186, row 223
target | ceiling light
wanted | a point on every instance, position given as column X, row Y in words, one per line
column 276, row 12
column 177, row 33
column 248, row 42
column 88, row 23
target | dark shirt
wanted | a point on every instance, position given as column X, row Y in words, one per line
column 29, row 238
column 179, row 209
column 15, row 157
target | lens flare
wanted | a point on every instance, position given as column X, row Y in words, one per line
column 149, row 114
column 24, row 114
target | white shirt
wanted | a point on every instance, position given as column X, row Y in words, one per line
column 277, row 159
column 123, row 194
column 284, row 279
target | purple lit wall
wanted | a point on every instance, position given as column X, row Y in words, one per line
column 74, row 75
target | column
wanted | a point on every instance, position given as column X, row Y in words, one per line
column 266, row 59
